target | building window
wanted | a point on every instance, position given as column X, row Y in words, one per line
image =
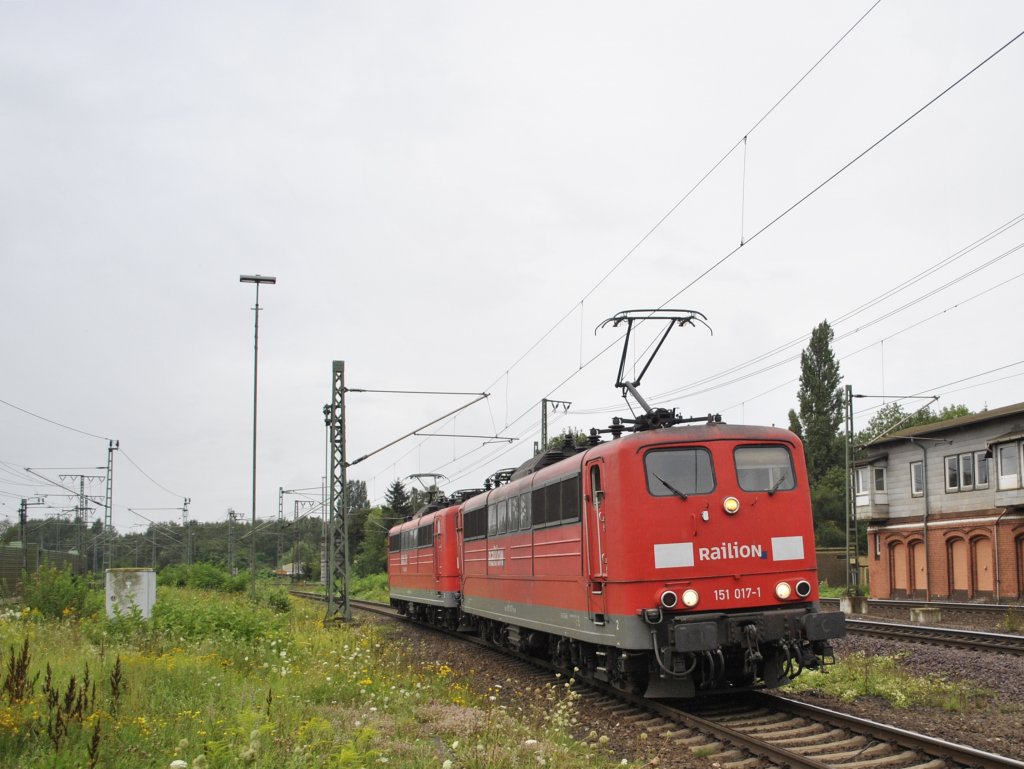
column 966, row 472
column 1008, row 459
column 917, row 479
column 879, row 474
column 952, row 473
column 980, row 470
column 860, row 480
column 878, row 546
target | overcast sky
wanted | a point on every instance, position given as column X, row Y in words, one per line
column 453, row 196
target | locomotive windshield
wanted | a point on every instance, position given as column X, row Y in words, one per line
column 679, row 472
column 764, row 468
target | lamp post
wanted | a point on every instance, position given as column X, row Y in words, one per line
column 257, row 279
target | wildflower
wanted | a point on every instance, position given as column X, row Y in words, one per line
column 455, row 745
column 530, row 743
column 447, row 764
column 179, row 764
column 603, row 739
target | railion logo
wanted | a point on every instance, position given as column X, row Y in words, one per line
column 730, row 551
column 677, row 554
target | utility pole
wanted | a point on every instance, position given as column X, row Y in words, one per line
column 231, row 541
column 108, row 518
column 280, row 525
column 555, row 405
column 23, row 525
column 258, row 280
column 338, row 607
column 82, row 512
column 23, row 522
column 299, row 504
column 851, row 509
column 187, row 531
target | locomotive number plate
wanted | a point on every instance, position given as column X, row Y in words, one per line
column 737, row 593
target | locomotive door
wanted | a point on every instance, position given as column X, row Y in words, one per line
column 595, row 534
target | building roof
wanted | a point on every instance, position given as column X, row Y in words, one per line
column 947, row 425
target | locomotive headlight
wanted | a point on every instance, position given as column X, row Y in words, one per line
column 731, row 505
column 690, row 598
column 783, row 591
column 803, row 588
column 668, row 599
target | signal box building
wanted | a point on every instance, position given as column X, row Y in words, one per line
column 944, row 507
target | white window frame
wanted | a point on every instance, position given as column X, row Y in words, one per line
column 951, row 472
column 916, row 489
column 1007, row 481
column 966, row 471
column 980, row 461
column 878, row 479
column 861, row 480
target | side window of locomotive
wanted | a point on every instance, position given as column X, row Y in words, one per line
column 502, row 516
column 425, row 535
column 475, row 524
column 525, row 519
column 538, row 507
column 492, row 520
column 671, row 472
column 394, row 543
column 764, row 468
column 570, row 499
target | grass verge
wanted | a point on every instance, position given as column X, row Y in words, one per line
column 860, row 675
column 214, row 680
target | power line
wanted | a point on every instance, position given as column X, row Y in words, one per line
column 684, row 198
column 53, row 422
column 154, row 482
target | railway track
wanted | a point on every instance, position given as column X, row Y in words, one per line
column 983, row 609
column 759, row 729
column 807, row 736
column 938, row 636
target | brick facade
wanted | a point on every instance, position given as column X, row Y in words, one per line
column 951, row 496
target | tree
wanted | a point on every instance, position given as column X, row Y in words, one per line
column 398, row 500
column 892, row 417
column 821, row 404
column 372, row 557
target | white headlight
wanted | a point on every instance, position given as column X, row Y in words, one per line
column 690, row 598
column 783, row 591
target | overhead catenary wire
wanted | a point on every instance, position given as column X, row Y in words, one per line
column 821, row 185
column 646, row 236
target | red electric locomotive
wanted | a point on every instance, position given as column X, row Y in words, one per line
column 423, row 567
column 677, row 561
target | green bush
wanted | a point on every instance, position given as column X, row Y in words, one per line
column 201, row 576
column 373, row 587
column 59, row 593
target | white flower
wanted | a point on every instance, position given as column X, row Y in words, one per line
column 179, row 764
column 447, row 764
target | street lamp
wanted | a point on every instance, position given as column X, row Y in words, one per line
column 257, row 279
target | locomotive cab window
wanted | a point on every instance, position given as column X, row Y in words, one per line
column 679, row 472
column 764, row 468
